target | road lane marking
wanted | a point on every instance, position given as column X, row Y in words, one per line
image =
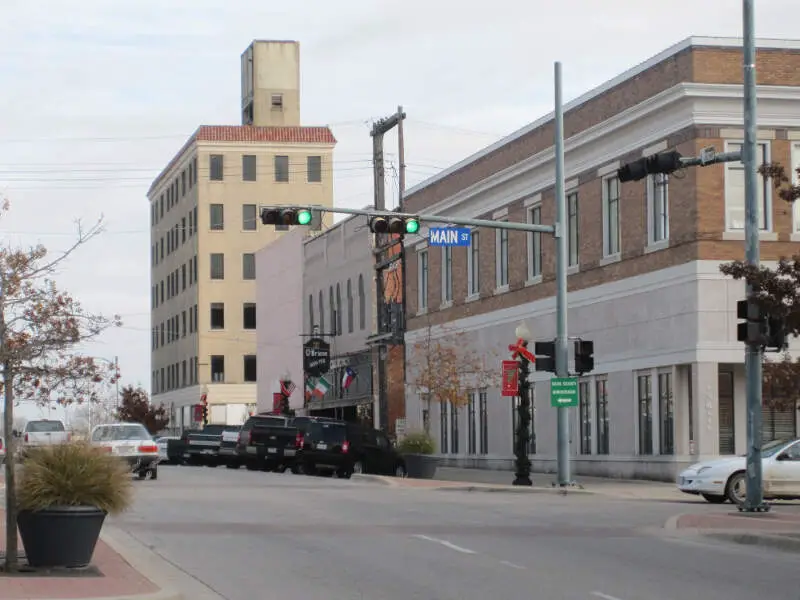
column 446, row 544
column 510, row 564
column 604, row 596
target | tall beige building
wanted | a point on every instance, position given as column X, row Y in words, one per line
column 205, row 231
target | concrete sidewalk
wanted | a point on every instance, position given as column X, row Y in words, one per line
column 125, row 573
column 448, row 478
column 779, row 528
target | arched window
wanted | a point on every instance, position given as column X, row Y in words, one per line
column 311, row 312
column 349, row 306
column 362, row 303
column 321, row 314
column 332, row 310
column 338, row 310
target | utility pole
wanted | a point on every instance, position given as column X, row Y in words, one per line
column 562, row 350
column 383, row 246
column 755, row 491
column 116, row 381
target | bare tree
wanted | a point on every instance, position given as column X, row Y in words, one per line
column 40, row 329
column 445, row 368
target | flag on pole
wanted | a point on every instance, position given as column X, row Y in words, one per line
column 322, row 387
column 287, row 387
column 309, row 388
column 348, row 377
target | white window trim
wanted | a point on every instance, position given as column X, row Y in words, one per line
column 498, row 288
column 738, row 234
column 611, row 256
column 795, row 160
column 532, row 279
column 422, row 298
column 446, row 302
column 653, row 244
column 472, row 296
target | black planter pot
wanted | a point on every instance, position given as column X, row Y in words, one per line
column 60, row 536
column 420, row 466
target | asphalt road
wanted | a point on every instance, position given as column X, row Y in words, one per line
column 259, row 536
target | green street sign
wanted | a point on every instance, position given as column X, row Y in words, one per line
column 563, row 392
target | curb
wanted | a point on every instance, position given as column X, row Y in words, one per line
column 511, row 490
column 144, row 560
column 763, row 540
column 379, row 479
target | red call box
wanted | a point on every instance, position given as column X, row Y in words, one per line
column 510, row 385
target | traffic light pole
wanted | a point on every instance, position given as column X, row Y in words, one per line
column 755, row 492
column 561, row 348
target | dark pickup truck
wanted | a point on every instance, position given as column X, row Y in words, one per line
column 268, row 443
column 202, row 447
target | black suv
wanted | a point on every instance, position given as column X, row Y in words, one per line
column 345, row 448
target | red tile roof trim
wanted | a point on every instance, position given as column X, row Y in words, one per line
column 249, row 134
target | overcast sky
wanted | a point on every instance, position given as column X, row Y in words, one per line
column 97, row 95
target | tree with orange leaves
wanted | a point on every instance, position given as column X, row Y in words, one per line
column 445, row 368
column 40, row 328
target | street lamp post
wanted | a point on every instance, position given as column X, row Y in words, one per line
column 523, row 433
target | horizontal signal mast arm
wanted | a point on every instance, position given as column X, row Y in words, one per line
column 530, row 227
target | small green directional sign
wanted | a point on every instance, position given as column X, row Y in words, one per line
column 563, row 392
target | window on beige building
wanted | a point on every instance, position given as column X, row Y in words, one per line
column 248, row 167
column 216, row 217
column 282, row 169
column 217, row 315
column 311, row 312
column 215, row 167
column 249, row 219
column 611, row 233
column 501, row 257
column 217, row 364
column 321, row 314
column 666, row 410
column 248, row 266
column 249, row 315
column 217, row 266
column 332, row 310
column 657, row 208
column 183, row 323
column 573, row 231
column 314, row 169
column 474, row 264
column 249, row 368
column 422, row 280
column 734, row 190
column 535, row 244
column 447, row 274
column 339, row 318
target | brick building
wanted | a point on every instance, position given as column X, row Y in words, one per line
column 644, row 280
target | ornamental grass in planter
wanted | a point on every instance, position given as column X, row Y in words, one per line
column 417, row 448
column 64, row 493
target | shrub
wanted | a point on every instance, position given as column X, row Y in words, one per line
column 74, row 474
column 417, row 442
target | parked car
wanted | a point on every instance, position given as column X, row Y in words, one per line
column 366, row 450
column 164, row 455
column 41, row 432
column 268, row 442
column 227, row 448
column 132, row 443
column 202, row 447
column 724, row 479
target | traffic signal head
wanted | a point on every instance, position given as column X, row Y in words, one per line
column 398, row 225
column 663, row 163
column 584, row 356
column 287, row 216
column 632, row 171
column 545, row 356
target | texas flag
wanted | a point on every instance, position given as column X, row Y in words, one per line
column 348, row 377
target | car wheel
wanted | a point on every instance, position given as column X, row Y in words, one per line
column 297, row 469
column 715, row 498
column 358, row 467
column 141, row 474
column 233, row 465
column 400, row 471
column 153, row 474
column 344, row 474
column 736, row 489
column 251, row 466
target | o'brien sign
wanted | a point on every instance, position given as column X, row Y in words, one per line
column 316, row 357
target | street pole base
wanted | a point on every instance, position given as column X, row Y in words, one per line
column 757, row 508
column 522, row 480
column 570, row 484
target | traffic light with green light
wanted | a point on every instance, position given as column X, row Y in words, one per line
column 291, row 216
column 396, row 225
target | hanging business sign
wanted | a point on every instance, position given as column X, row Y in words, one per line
column 316, row 357
column 510, row 381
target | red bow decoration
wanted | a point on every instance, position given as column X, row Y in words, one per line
column 520, row 349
